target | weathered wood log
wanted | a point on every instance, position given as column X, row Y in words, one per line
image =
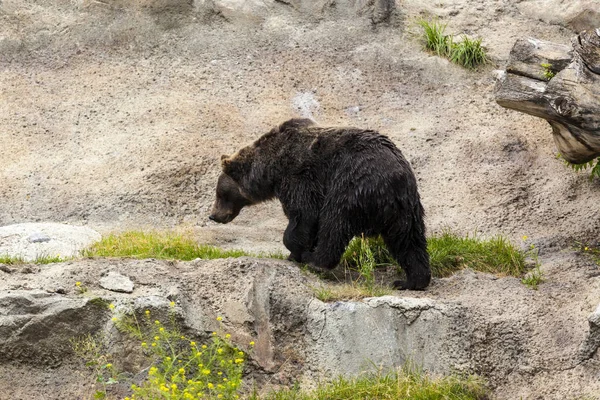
column 560, row 84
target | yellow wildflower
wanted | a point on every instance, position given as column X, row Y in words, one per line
column 172, row 304
column 251, row 343
column 219, row 319
column 206, row 371
column 227, row 336
column 78, row 284
column 147, row 312
column 111, row 306
column 210, row 385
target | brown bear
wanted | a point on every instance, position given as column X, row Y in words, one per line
column 333, row 184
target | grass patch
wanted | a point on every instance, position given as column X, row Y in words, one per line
column 17, row 260
column 467, row 52
column 160, row 245
column 347, row 292
column 406, row 383
column 449, row 253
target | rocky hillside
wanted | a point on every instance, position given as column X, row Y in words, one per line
column 115, row 114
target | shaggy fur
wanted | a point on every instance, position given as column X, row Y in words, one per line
column 333, row 184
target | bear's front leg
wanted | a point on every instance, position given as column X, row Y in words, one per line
column 300, row 236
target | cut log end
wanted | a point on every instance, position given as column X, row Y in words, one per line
column 559, row 84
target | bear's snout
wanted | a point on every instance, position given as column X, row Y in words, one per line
column 222, row 218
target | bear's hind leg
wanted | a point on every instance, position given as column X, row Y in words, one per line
column 411, row 254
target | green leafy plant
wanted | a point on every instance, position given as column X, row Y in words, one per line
column 181, row 367
column 547, row 71
column 592, row 251
column 535, row 276
column 93, row 352
column 80, row 288
column 406, row 383
column 593, row 166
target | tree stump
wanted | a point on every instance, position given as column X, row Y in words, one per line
column 560, row 84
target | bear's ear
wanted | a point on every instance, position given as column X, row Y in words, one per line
column 232, row 167
column 224, row 160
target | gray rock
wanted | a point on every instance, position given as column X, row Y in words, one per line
column 351, row 337
column 38, row 237
column 117, row 283
column 592, row 342
column 35, row 326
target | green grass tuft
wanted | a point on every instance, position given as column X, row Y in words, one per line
column 160, row 245
column 17, row 260
column 449, row 253
column 435, row 39
column 407, row 383
column 468, row 52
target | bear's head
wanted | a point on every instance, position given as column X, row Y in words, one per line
column 229, row 202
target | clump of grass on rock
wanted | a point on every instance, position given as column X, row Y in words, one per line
column 449, row 253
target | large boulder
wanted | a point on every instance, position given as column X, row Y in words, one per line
column 31, row 241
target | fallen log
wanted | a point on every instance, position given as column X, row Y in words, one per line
column 560, row 84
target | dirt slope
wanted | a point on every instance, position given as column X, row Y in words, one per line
column 116, row 118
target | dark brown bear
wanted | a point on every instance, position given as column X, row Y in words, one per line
column 333, row 184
